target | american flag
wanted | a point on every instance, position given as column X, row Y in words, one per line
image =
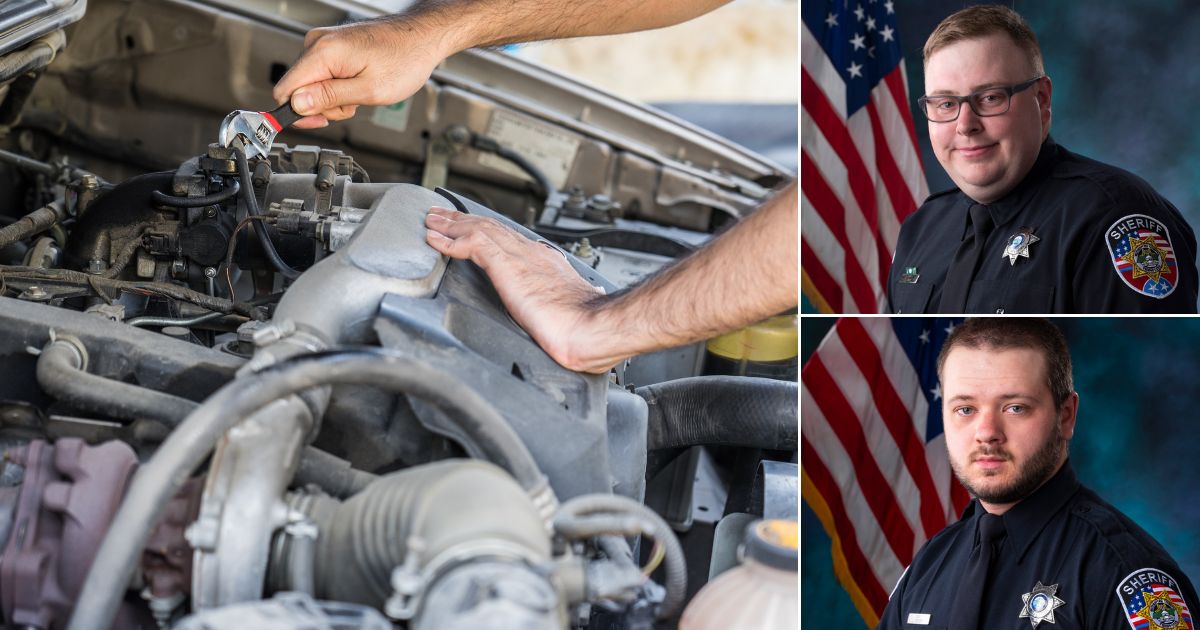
column 873, row 457
column 860, row 168
column 1134, row 605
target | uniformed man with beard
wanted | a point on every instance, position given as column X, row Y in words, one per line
column 1034, row 547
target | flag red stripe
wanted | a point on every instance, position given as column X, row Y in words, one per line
column 826, row 203
column 834, row 128
column 897, row 417
column 959, row 497
column 875, row 487
column 825, row 284
column 893, row 180
column 895, row 82
column 864, row 575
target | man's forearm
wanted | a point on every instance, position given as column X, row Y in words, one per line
column 481, row 23
column 744, row 276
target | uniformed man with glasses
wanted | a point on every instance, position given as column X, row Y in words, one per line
column 1031, row 227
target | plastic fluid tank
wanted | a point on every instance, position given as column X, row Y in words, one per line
column 761, row 594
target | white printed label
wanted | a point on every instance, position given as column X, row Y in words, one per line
column 548, row 148
column 918, row 619
column 394, row 116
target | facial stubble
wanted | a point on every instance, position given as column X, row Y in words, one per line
column 1041, row 465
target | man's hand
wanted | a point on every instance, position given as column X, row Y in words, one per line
column 740, row 277
column 377, row 62
column 386, row 60
column 542, row 292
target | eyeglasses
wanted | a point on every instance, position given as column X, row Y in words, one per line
column 993, row 101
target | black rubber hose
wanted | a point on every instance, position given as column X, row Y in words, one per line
column 722, row 410
column 62, row 373
column 593, row 515
column 333, row 474
column 489, row 145
column 260, row 228
column 188, row 445
column 232, row 188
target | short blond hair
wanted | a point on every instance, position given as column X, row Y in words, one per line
column 984, row 20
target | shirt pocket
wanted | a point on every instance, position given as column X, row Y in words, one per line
column 910, row 298
column 999, row 298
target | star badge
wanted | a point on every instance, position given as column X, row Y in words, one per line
column 1147, row 258
column 1018, row 245
column 1161, row 612
column 1040, row 604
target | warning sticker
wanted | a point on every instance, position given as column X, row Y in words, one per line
column 394, row 116
column 547, row 148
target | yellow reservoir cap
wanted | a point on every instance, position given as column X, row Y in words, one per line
column 774, row 339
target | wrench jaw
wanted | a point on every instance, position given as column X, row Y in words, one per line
column 252, row 129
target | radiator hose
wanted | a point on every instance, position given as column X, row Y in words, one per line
column 722, row 410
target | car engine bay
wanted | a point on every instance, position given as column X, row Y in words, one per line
column 243, row 392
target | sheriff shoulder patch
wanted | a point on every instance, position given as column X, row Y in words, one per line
column 1152, row 601
column 1142, row 255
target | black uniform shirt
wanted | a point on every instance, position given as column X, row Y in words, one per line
column 1063, row 542
column 1075, row 236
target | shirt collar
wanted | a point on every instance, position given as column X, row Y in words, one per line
column 1025, row 520
column 1004, row 209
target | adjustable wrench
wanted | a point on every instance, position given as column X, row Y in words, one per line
column 256, row 130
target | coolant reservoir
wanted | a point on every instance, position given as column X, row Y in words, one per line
column 761, row 594
column 767, row 349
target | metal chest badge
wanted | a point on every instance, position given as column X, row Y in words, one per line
column 1018, row 245
column 1142, row 255
column 1040, row 604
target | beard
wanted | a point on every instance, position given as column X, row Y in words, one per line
column 1041, row 465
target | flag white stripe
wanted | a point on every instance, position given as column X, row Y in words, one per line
column 833, row 171
column 820, row 68
column 870, row 538
column 856, row 389
column 899, row 144
column 939, row 466
column 830, row 253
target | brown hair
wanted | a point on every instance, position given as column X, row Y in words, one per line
column 984, row 20
column 1005, row 333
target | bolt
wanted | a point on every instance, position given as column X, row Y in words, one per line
column 583, row 249
column 89, row 182
column 602, row 203
column 96, row 265
column 34, row 293
column 202, row 534
column 458, row 134
column 210, row 272
column 210, row 213
column 268, row 335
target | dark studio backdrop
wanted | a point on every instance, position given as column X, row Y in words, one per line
column 1135, row 442
column 1126, row 81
